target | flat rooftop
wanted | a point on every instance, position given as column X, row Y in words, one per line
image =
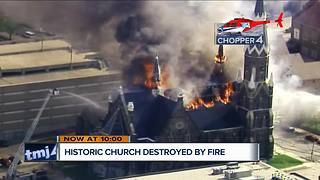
column 29, row 55
column 38, row 59
column 25, row 47
column 53, row 76
column 33, row 46
column 25, row 62
column 260, row 169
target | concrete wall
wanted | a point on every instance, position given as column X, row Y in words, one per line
column 20, row 104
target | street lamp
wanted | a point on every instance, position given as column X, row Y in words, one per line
column 41, row 35
column 71, row 57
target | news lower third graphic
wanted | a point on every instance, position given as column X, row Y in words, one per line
column 40, row 152
column 119, row 148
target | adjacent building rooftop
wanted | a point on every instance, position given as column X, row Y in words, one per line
column 27, row 47
column 46, row 60
column 53, row 76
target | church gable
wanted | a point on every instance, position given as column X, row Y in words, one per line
column 180, row 127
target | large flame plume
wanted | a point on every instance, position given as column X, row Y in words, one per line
column 199, row 102
column 150, row 83
column 228, row 92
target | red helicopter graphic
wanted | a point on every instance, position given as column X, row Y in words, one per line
column 239, row 25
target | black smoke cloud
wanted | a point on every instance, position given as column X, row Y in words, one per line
column 137, row 37
column 180, row 32
column 80, row 21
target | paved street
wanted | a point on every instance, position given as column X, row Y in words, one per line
column 296, row 144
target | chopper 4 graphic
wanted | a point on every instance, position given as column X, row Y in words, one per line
column 239, row 25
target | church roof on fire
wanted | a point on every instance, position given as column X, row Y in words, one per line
column 153, row 113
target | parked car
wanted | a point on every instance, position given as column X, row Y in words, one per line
column 311, row 138
column 29, row 34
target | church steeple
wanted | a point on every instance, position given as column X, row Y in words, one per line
column 257, row 55
column 259, row 9
column 255, row 106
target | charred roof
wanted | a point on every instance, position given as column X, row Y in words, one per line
column 152, row 113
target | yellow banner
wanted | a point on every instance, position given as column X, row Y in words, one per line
column 93, row 139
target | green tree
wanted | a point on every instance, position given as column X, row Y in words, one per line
column 8, row 26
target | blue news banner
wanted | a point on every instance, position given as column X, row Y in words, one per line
column 40, row 152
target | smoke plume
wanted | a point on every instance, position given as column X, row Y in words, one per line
column 292, row 101
column 181, row 33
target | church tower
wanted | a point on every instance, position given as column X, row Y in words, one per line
column 255, row 100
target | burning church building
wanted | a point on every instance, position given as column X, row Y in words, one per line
column 238, row 111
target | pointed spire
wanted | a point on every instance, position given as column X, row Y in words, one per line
column 252, row 84
column 156, row 70
column 259, row 9
column 220, row 51
column 271, row 80
column 239, row 76
column 220, row 58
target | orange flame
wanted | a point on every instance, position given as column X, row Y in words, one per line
column 198, row 102
column 220, row 59
column 228, row 92
column 149, row 81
